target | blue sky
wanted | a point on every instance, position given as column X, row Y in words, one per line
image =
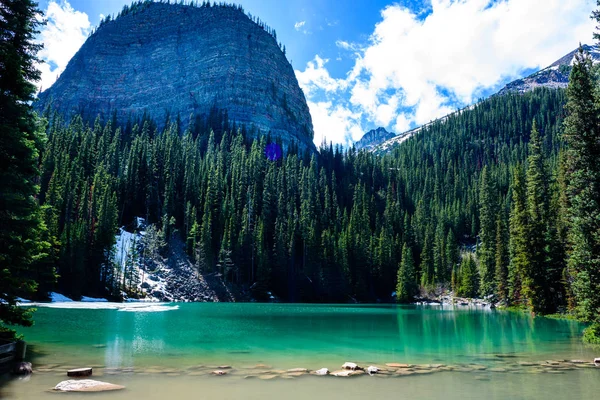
column 364, row 64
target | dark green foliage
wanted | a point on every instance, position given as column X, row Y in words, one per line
column 582, row 176
column 406, row 287
column 469, row 277
column 24, row 245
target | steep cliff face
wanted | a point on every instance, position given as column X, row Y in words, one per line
column 181, row 60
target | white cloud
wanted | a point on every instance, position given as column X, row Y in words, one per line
column 299, row 25
column 416, row 68
column 64, row 33
column 316, row 77
column 335, row 124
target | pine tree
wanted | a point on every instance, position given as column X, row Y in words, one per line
column 469, row 277
column 406, row 287
column 488, row 210
column 21, row 225
column 582, row 170
column 519, row 258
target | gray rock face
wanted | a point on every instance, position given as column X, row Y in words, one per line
column 373, row 138
column 181, row 60
column 555, row 76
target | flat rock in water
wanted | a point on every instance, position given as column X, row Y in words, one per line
column 343, row 373
column 86, row 385
column 397, row 365
column 297, row 370
column 79, row 372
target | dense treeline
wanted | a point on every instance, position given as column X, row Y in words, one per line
column 326, row 227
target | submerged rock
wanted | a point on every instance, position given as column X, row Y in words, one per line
column 86, row 385
column 22, row 368
column 219, row 372
column 297, row 370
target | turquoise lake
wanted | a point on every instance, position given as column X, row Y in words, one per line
column 169, row 350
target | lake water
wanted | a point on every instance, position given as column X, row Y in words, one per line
column 169, row 351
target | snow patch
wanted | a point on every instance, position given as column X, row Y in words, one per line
column 59, row 298
column 129, row 307
column 86, row 299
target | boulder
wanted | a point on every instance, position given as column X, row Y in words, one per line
column 351, row 366
column 597, row 361
column 372, row 370
column 322, row 371
column 22, row 368
column 78, row 372
column 86, row 385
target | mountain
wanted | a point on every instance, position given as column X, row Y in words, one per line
column 555, row 76
column 173, row 60
column 373, row 138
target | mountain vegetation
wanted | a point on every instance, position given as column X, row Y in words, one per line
column 501, row 200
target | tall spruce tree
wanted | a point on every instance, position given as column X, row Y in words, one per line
column 21, row 225
column 488, row 209
column 534, row 272
column 582, row 173
column 406, row 287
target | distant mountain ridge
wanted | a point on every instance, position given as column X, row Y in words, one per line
column 555, row 76
column 373, row 138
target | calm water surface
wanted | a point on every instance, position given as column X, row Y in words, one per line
column 168, row 351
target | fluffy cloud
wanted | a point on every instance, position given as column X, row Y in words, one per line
column 416, row 67
column 64, row 33
column 335, row 124
column 299, row 25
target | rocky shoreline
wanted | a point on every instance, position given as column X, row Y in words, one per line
column 498, row 364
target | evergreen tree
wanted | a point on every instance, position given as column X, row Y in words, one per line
column 488, row 211
column 406, row 287
column 21, row 225
column 469, row 277
column 582, row 170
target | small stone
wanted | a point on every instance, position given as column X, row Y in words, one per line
column 597, row 360
column 219, row 372
column 86, row 385
column 77, row 372
column 351, row 366
column 372, row 370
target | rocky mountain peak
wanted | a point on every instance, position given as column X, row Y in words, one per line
column 373, row 138
column 182, row 61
